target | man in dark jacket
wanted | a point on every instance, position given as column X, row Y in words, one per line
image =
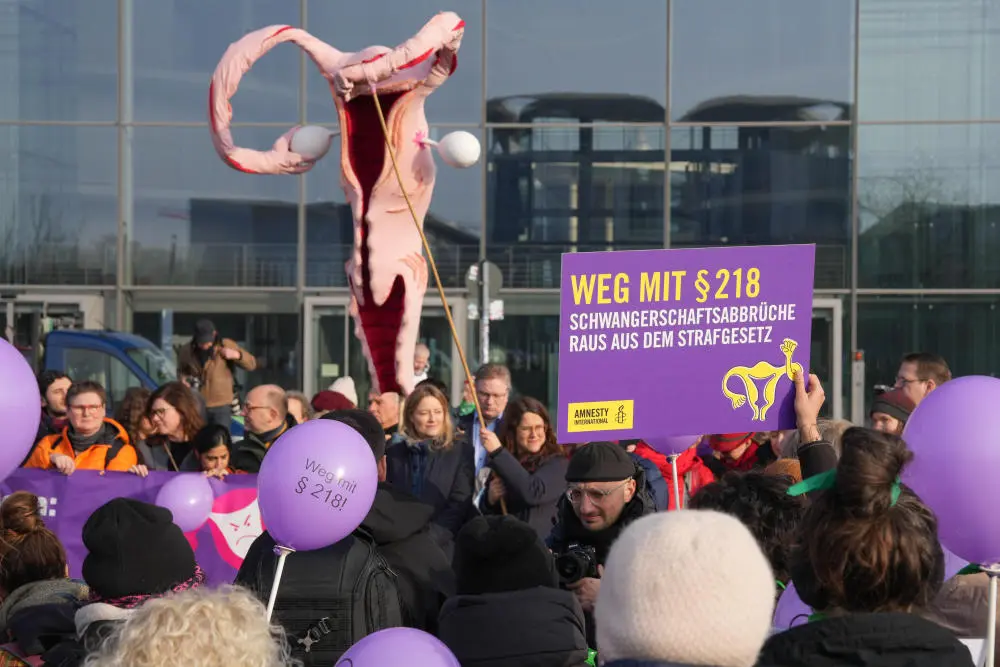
column 399, row 524
column 267, row 419
column 606, row 492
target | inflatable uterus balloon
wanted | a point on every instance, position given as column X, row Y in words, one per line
column 387, row 273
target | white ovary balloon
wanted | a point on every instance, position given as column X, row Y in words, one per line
column 312, row 142
column 459, row 149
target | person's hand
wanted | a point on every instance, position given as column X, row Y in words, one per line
column 218, row 473
column 140, row 470
column 808, row 403
column 229, row 354
column 64, row 464
column 586, row 590
column 489, row 439
column 496, row 491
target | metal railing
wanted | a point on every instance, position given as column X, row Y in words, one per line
column 523, row 265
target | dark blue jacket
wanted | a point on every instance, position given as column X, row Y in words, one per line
column 656, row 485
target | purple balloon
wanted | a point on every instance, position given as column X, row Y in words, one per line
column 398, row 646
column 790, row 610
column 955, row 462
column 20, row 408
column 952, row 564
column 316, row 484
column 672, row 444
column 189, row 498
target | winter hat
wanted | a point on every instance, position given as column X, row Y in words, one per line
column 894, row 403
column 135, row 551
column 600, row 462
column 327, row 400
column 497, row 554
column 204, row 331
column 787, row 467
column 364, row 423
column 667, row 596
column 727, row 442
column 345, row 387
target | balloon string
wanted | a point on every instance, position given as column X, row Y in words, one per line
column 433, row 265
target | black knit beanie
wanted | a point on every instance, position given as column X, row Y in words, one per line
column 134, row 549
column 600, row 462
column 497, row 554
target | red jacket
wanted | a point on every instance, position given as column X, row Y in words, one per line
column 691, row 472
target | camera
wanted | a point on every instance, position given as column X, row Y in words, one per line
column 576, row 563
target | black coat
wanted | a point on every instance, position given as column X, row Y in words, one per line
column 531, row 497
column 866, row 640
column 448, row 480
column 399, row 524
column 537, row 627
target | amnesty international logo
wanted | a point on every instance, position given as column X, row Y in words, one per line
column 600, row 416
column 763, row 371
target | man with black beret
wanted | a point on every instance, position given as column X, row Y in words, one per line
column 605, row 492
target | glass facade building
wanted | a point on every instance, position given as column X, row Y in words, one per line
column 868, row 127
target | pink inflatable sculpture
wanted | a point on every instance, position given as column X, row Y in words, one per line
column 387, row 273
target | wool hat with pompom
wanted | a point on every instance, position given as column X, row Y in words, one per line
column 689, row 587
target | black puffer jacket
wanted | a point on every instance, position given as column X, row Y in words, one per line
column 866, row 640
column 537, row 627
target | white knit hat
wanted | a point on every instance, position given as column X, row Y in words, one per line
column 345, row 387
column 689, row 587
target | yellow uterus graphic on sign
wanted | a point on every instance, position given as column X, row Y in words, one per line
column 762, row 370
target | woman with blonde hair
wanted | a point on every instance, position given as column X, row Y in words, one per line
column 223, row 626
column 429, row 462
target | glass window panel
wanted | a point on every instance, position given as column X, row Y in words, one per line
column 452, row 224
column 765, row 60
column 764, row 185
column 591, row 61
column 890, row 327
column 529, row 346
column 59, row 60
column 929, row 60
column 353, row 26
column 178, row 43
column 198, row 222
column 554, row 190
column 928, row 206
column 58, row 205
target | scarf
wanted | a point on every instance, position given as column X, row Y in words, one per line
column 82, row 443
column 38, row 593
column 132, row 601
column 745, row 462
column 419, row 453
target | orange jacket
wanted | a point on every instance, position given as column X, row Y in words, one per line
column 113, row 451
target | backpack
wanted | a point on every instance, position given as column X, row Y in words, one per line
column 331, row 598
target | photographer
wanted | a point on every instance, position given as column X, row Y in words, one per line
column 606, row 492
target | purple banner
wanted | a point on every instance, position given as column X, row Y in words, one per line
column 67, row 503
column 673, row 342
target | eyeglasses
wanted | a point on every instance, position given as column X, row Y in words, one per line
column 483, row 396
column 247, row 409
column 160, row 412
column 902, row 381
column 596, row 496
column 84, row 409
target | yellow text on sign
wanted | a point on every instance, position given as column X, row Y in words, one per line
column 600, row 416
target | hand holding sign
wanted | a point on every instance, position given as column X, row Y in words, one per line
column 398, row 646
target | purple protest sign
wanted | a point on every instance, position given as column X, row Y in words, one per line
column 66, row 503
column 669, row 342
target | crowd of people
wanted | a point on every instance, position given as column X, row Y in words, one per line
column 512, row 548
